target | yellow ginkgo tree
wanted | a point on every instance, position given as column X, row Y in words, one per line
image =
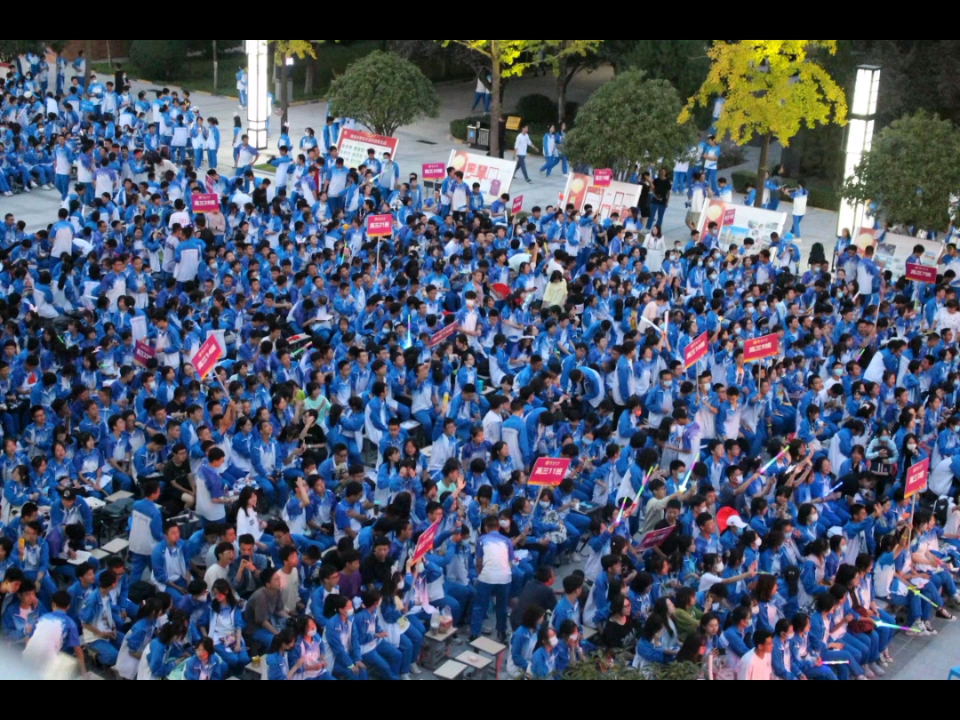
column 284, row 49
column 507, row 58
column 770, row 87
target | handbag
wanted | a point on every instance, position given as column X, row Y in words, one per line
column 864, row 626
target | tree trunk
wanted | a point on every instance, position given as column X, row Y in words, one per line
column 87, row 68
column 561, row 91
column 284, row 100
column 215, row 66
column 495, row 105
column 109, row 55
column 762, row 169
column 308, row 81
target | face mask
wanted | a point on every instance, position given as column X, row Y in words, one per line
column 545, row 505
column 574, row 637
column 838, row 372
column 791, row 635
column 553, row 642
column 203, row 598
column 505, row 524
column 756, row 544
column 667, row 384
column 715, row 607
column 311, row 634
column 755, row 611
column 713, row 276
column 349, row 612
column 814, row 518
column 843, row 549
column 911, row 447
column 718, row 568
column 737, row 331
column 763, row 308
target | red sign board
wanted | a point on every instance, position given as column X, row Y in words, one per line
column 696, row 350
column 207, row 356
column 549, row 471
column 517, row 204
column 425, row 542
column 602, row 178
column 379, row 225
column 434, row 171
column 656, row 537
column 916, row 478
column 761, row 347
column 204, row 202
column 729, row 217
column 921, row 273
column 143, row 352
column 444, row 334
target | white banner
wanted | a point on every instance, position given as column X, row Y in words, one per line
column 354, row 144
column 892, row 251
column 617, row 197
column 494, row 175
column 738, row 222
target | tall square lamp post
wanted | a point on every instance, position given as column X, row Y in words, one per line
column 859, row 138
column 258, row 110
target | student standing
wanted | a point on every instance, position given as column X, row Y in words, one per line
column 523, row 144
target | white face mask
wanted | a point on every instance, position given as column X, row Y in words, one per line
column 814, row 518
column 791, row 635
column 545, row 505
column 311, row 634
column 756, row 544
column 574, row 637
column 505, row 524
column 553, row 642
column 718, row 568
column 755, row 610
column 349, row 612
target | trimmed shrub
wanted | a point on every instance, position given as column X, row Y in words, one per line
column 158, row 59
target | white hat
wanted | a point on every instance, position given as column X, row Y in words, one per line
column 28, row 94
column 834, row 531
column 735, row 521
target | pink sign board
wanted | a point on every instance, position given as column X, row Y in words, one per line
column 207, row 356
column 378, row 225
column 602, row 178
column 204, row 202
column 434, row 171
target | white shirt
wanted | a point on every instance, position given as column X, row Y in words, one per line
column 755, row 668
column 522, row 144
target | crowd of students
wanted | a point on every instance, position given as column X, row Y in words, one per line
column 338, row 424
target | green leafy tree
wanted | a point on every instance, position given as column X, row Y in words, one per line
column 630, row 120
column 771, row 87
column 12, row 49
column 157, row 59
column 684, row 63
column 911, row 171
column 384, row 92
column 567, row 58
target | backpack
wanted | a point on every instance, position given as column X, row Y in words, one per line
column 140, row 592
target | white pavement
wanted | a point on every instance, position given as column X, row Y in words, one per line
column 426, row 141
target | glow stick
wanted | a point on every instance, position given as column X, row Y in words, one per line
column 773, row 461
column 894, row 627
column 683, row 485
column 834, row 662
column 297, row 353
column 834, row 489
column 643, row 319
column 916, row 591
column 623, row 504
